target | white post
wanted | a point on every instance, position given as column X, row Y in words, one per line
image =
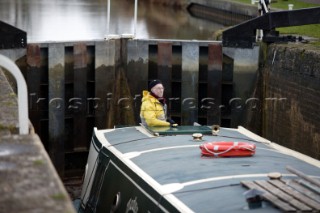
column 290, row 6
column 108, row 17
column 135, row 17
column 264, row 6
column 22, row 93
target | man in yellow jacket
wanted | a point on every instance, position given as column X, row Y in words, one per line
column 154, row 108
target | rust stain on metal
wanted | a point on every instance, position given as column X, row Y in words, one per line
column 214, row 81
column 165, row 54
column 215, row 57
column 165, row 65
column 81, row 59
column 80, row 55
column 33, row 55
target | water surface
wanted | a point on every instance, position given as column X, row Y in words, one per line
column 70, row 20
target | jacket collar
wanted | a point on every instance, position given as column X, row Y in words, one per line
column 147, row 96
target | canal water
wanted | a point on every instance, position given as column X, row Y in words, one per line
column 72, row 20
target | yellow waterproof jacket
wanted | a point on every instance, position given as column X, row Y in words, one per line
column 152, row 112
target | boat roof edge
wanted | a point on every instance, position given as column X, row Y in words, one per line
column 279, row 147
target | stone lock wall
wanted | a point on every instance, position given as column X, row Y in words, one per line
column 291, row 91
column 28, row 180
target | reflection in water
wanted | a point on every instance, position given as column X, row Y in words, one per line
column 60, row 20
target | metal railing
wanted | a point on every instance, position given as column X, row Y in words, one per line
column 111, row 36
column 22, row 93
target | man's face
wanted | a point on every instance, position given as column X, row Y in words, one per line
column 158, row 90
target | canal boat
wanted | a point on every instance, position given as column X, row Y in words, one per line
column 183, row 169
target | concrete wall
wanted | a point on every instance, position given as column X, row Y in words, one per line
column 8, row 107
column 292, row 78
column 232, row 7
column 28, row 180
